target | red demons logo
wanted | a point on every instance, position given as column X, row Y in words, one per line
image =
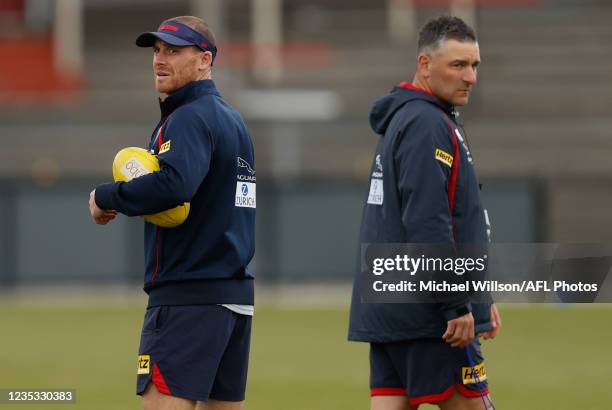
column 168, row 27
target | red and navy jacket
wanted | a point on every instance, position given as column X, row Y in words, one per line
column 206, row 158
column 422, row 189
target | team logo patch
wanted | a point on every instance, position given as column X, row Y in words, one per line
column 144, row 364
column 471, row 375
column 444, row 157
column 165, row 147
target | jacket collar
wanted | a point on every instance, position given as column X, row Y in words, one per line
column 186, row 94
column 449, row 109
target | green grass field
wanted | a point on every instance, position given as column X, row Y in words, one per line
column 545, row 358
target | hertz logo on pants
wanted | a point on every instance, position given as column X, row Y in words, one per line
column 144, row 364
column 476, row 374
column 444, row 157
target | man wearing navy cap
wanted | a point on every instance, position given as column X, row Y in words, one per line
column 195, row 340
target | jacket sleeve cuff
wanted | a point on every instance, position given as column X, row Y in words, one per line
column 104, row 194
column 454, row 311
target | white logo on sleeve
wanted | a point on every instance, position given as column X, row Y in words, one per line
column 378, row 171
column 245, row 185
column 376, row 195
column 245, row 194
column 244, row 164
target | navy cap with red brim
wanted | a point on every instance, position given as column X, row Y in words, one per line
column 176, row 34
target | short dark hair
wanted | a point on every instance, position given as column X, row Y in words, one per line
column 443, row 28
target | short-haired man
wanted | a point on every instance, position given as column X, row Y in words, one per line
column 195, row 339
column 423, row 189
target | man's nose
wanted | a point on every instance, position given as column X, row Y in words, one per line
column 158, row 60
column 470, row 75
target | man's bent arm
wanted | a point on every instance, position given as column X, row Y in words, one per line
column 182, row 169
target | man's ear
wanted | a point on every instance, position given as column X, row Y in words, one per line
column 205, row 60
column 424, row 64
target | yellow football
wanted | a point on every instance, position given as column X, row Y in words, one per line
column 133, row 162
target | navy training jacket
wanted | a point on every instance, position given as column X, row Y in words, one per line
column 429, row 194
column 206, row 158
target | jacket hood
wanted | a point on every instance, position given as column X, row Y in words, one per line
column 385, row 107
